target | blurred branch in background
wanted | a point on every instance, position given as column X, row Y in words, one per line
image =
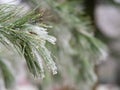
column 77, row 49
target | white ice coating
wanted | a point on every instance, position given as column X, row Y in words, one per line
column 39, row 59
column 50, row 63
column 42, row 32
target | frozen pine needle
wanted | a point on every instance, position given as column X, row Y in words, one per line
column 29, row 39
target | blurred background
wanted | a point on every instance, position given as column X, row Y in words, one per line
column 71, row 21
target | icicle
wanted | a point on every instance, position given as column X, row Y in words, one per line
column 39, row 59
column 48, row 60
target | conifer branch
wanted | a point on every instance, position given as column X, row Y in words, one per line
column 17, row 30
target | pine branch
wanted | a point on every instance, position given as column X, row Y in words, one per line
column 16, row 30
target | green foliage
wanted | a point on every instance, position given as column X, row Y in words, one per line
column 6, row 73
column 17, row 30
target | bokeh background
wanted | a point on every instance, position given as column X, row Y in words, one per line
column 100, row 18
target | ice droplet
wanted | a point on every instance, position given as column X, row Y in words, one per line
column 55, row 72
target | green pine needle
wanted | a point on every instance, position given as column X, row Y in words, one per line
column 16, row 30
